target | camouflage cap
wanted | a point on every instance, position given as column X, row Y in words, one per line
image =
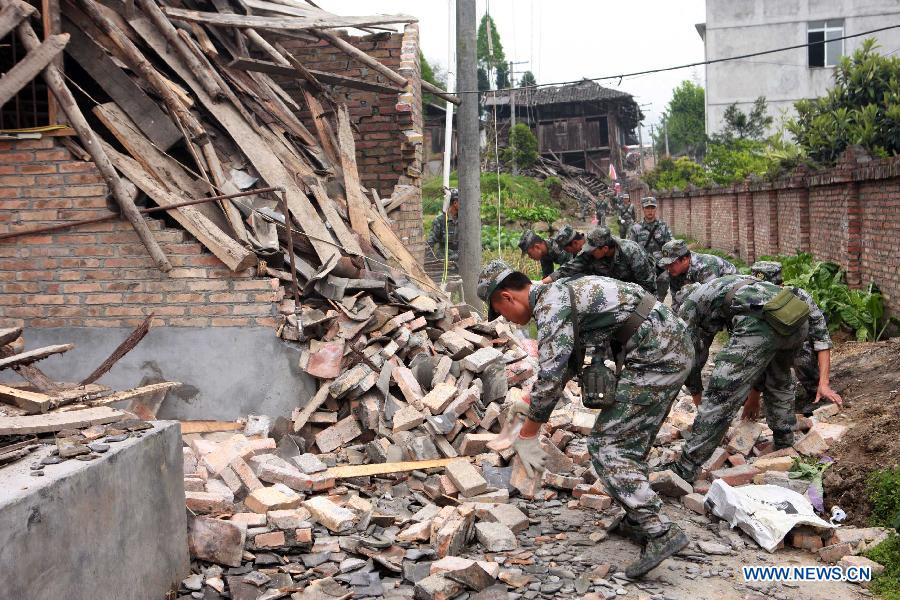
column 454, row 194
column 597, row 238
column 672, row 251
column 528, row 239
column 565, row 236
column 767, row 270
column 491, row 276
column 648, row 201
column 624, row 196
column 684, row 292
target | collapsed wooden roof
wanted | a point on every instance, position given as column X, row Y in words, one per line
column 193, row 112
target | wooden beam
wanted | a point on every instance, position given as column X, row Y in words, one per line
column 312, row 405
column 12, row 14
column 433, row 89
column 264, row 66
column 121, row 350
column 281, row 23
column 209, row 426
column 382, row 230
column 26, row 358
column 146, row 114
column 346, row 471
column 58, row 421
column 29, row 67
column 54, row 78
column 354, row 52
column 138, row 392
column 10, row 335
column 356, row 202
column 33, row 403
column 235, row 256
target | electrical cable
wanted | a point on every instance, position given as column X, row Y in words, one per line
column 694, row 64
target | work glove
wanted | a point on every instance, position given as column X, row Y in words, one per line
column 519, row 407
column 531, row 454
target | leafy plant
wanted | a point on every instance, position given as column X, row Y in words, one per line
column 745, row 126
column 676, row 174
column 523, row 147
column 507, row 237
column 887, row 553
column 684, row 121
column 533, row 214
column 884, row 495
column 734, row 160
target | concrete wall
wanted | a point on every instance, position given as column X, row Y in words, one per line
column 849, row 215
column 227, row 372
column 113, row 527
column 745, row 26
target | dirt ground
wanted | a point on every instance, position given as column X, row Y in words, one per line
column 867, row 375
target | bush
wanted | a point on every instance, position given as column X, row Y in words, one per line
column 884, row 496
column 508, row 238
column 676, row 174
column 732, row 161
column 523, row 147
column 887, row 553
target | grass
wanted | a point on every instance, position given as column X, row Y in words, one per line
column 887, row 553
column 884, row 495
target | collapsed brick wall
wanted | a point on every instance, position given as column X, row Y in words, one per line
column 849, row 215
column 101, row 275
column 389, row 127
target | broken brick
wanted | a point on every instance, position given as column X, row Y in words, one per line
column 208, row 503
column 439, row 398
column 736, row 476
column 216, row 541
column 335, row 518
column 266, row 499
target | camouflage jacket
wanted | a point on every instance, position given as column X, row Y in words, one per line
column 705, row 313
column 627, row 214
column 630, row 263
column 704, row 267
column 602, row 305
column 440, row 228
column 650, row 236
column 555, row 256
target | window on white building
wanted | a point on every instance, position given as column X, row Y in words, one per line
column 825, row 46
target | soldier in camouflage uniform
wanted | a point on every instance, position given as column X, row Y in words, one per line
column 443, row 230
column 755, row 350
column 652, row 234
column 585, row 204
column 603, row 254
column 546, row 253
column 658, row 356
column 569, row 239
column 601, row 208
column 806, row 363
column 626, row 215
column 686, row 267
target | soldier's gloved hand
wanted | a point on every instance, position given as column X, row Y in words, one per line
column 531, row 454
column 519, row 407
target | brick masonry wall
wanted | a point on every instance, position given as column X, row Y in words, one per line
column 389, row 127
column 700, row 221
column 101, row 274
column 849, row 215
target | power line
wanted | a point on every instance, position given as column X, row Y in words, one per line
column 694, row 64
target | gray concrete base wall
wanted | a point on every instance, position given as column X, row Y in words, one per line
column 227, row 372
column 112, row 528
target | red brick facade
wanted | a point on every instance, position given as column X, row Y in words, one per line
column 849, row 215
column 389, row 136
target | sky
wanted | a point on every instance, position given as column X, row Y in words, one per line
column 563, row 40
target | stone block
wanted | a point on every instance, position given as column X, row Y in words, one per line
column 248, row 519
column 309, row 463
column 450, row 531
column 417, row 532
column 463, row 402
column 507, row 514
column 409, row 386
column 496, row 537
column 436, row 587
column 274, row 473
column 668, row 483
column 736, row 476
column 560, row 482
column 456, row 345
column 835, row 552
column 466, row 478
column 805, row 539
column 744, row 437
column 245, row 474
column 336, row 519
column 217, row 541
column 287, row 519
column 266, row 499
column 847, row 562
column 407, row 418
column 715, row 461
column 780, row 463
column 271, row 539
column 824, row 412
column 342, row 432
column 830, row 432
column 527, row 486
column 811, row 444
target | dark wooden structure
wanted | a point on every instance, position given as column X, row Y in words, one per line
column 584, row 124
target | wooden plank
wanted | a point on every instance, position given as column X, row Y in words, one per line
column 145, row 113
column 29, row 67
column 10, row 334
column 235, row 256
column 33, row 403
column 209, row 426
column 264, row 66
column 344, row 235
column 138, row 392
column 121, row 350
column 356, row 202
column 12, row 14
column 26, row 358
column 248, row 140
column 311, row 406
column 354, row 52
column 389, row 240
column 58, row 421
column 282, row 23
column 346, row 471
column 327, row 139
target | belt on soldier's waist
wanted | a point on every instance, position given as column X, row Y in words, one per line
column 635, row 319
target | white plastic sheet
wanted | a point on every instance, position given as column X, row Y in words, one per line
column 764, row 512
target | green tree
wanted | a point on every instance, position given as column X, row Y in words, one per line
column 429, row 76
column 484, row 82
column 502, row 76
column 746, row 126
column 528, row 79
column 862, row 108
column 490, row 56
column 522, row 147
column 684, row 120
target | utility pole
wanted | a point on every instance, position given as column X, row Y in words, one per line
column 468, row 151
column 512, row 116
column 448, row 123
column 666, row 132
column 641, row 148
column 653, row 144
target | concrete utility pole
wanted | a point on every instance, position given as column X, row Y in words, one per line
column 512, row 115
column 468, row 151
column 640, row 148
column 666, row 131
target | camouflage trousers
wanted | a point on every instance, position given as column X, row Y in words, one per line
column 694, row 381
column 662, row 283
column 806, row 370
column 754, row 353
column 658, row 358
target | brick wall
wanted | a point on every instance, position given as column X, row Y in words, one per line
column 849, row 215
column 389, row 127
column 101, row 274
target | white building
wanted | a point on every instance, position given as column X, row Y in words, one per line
column 737, row 27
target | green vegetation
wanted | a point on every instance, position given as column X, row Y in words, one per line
column 884, row 496
column 491, row 58
column 676, row 174
column 685, row 122
column 508, row 238
column 528, row 79
column 523, row 147
column 429, row 75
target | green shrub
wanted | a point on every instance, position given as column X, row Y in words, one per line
column 507, row 237
column 523, row 147
column 884, row 496
column 733, row 161
column 887, row 553
column 676, row 174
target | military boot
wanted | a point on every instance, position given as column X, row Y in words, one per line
column 656, row 550
column 631, row 530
